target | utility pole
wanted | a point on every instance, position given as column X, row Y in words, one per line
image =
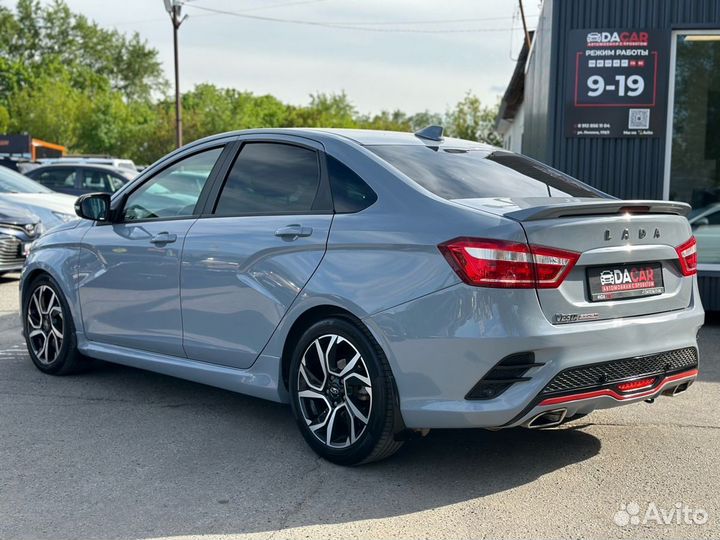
column 522, row 16
column 173, row 8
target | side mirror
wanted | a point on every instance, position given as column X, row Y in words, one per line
column 702, row 222
column 93, row 206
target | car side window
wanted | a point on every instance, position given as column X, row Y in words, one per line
column 350, row 193
column 270, row 178
column 57, row 178
column 174, row 191
column 98, row 181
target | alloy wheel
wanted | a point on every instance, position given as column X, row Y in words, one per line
column 46, row 324
column 334, row 391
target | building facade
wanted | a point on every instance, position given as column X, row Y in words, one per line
column 625, row 95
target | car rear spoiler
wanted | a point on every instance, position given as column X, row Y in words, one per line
column 599, row 208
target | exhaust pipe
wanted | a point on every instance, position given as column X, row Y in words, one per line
column 547, row 419
column 672, row 392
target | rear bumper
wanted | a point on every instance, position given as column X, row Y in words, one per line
column 441, row 345
column 587, row 401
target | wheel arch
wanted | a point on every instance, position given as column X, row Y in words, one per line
column 28, row 278
column 302, row 323
column 61, row 272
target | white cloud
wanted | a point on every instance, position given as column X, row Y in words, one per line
column 378, row 71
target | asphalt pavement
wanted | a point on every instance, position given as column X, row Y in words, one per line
column 121, row 453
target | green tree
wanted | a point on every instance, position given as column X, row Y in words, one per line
column 326, row 110
column 4, row 119
column 391, row 121
column 48, row 109
column 473, row 121
column 424, row 119
column 37, row 35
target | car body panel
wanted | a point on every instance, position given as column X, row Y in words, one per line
column 56, row 253
column 438, row 359
column 239, row 279
column 130, row 286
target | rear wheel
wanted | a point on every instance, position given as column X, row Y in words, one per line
column 342, row 393
column 49, row 329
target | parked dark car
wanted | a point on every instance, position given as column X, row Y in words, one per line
column 79, row 178
column 18, row 228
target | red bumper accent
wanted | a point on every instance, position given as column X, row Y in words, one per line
column 620, row 397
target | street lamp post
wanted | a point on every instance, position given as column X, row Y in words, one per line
column 173, row 8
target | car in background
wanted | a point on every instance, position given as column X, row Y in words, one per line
column 20, row 165
column 705, row 223
column 79, row 178
column 18, row 228
column 126, row 164
column 18, row 191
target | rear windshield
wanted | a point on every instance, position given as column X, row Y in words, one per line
column 471, row 174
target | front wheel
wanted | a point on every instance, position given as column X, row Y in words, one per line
column 342, row 393
column 49, row 329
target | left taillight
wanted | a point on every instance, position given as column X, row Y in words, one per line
column 687, row 253
column 497, row 263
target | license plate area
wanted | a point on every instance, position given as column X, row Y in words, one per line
column 624, row 281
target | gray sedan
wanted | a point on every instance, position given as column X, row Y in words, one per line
column 382, row 284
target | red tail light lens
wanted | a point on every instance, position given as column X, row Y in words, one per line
column 688, row 257
column 636, row 385
column 497, row 263
column 552, row 265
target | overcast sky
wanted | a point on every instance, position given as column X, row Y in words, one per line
column 379, row 70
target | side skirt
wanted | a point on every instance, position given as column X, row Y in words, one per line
column 260, row 380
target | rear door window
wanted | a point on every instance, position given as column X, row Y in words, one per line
column 270, row 178
column 470, row 174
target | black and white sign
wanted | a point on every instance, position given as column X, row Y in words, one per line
column 617, row 83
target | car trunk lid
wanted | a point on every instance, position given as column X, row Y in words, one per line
column 628, row 263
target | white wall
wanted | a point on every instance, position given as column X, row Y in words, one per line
column 512, row 132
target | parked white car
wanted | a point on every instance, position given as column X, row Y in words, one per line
column 51, row 207
column 125, row 164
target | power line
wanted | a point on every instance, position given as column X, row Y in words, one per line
column 424, row 21
column 272, row 6
column 346, row 26
column 187, row 3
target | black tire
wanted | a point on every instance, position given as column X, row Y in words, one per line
column 62, row 360
column 375, row 440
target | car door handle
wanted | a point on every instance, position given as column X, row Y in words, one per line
column 163, row 238
column 292, row 232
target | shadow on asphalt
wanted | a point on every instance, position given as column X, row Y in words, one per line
column 170, row 457
column 123, row 453
column 12, row 276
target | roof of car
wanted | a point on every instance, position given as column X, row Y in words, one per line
column 79, row 164
column 365, row 137
column 371, row 137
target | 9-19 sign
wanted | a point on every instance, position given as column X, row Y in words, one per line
column 614, row 86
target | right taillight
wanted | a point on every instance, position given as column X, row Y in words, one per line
column 687, row 254
column 498, row 263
